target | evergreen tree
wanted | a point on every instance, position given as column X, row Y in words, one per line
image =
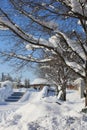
column 27, row 83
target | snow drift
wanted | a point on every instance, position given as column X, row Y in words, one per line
column 5, row 90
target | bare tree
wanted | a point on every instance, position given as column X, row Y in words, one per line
column 58, row 73
column 42, row 32
column 55, row 73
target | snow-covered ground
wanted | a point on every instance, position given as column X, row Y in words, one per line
column 35, row 111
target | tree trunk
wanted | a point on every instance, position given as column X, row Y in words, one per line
column 86, row 83
column 57, row 91
column 64, row 91
column 86, row 90
column 64, row 95
column 86, row 98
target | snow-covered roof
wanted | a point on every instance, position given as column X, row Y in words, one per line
column 77, row 81
column 40, row 81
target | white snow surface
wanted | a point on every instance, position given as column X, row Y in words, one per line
column 35, row 112
column 40, row 81
column 5, row 90
column 76, row 67
column 77, row 6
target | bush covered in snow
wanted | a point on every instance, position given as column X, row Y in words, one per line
column 5, row 90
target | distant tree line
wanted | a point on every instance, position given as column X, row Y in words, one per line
column 18, row 80
column 5, row 77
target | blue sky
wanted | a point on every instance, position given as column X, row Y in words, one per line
column 29, row 74
column 23, row 21
column 5, row 43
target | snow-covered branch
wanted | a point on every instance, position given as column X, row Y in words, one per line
column 77, row 48
column 38, row 21
column 53, row 44
column 25, row 58
column 76, row 67
column 34, row 41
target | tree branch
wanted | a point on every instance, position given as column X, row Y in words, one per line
column 25, row 58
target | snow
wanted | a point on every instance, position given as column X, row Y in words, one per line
column 3, row 28
column 5, row 90
column 60, row 93
column 37, row 111
column 77, row 6
column 77, row 81
column 76, row 47
column 44, row 92
column 54, row 40
column 40, row 81
column 76, row 67
column 31, row 47
column 79, row 22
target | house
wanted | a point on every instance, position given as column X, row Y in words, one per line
column 39, row 83
column 80, row 84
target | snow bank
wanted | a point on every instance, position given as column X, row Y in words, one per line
column 44, row 92
column 25, row 97
column 5, row 90
column 32, row 95
column 34, row 110
column 46, row 114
